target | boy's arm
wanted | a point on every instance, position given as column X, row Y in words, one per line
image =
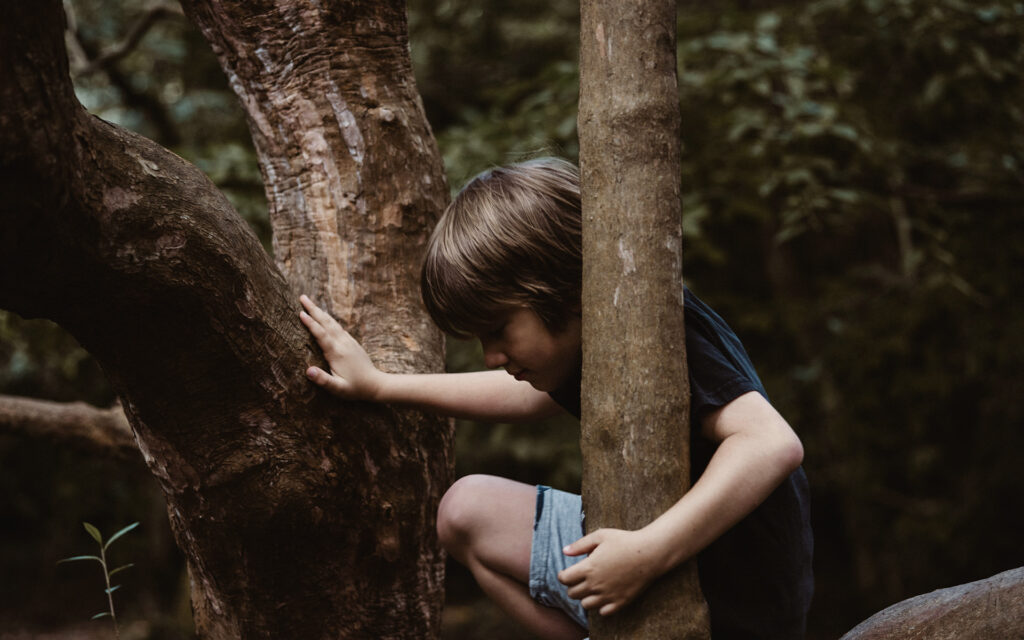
column 757, row 451
column 492, row 396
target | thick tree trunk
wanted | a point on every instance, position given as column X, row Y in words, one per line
column 635, row 390
column 353, row 176
column 299, row 516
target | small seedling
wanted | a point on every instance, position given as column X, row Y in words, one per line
column 107, row 574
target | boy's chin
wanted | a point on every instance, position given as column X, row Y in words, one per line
column 547, row 385
column 540, row 386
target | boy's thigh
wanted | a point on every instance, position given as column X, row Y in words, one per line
column 493, row 519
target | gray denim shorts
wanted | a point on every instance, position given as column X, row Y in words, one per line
column 558, row 522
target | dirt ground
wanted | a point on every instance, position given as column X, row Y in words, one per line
column 476, row 621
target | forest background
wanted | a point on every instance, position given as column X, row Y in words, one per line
column 853, row 180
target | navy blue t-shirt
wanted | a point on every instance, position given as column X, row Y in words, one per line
column 757, row 576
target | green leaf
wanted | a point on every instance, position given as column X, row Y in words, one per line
column 100, row 615
column 112, row 589
column 768, row 22
column 934, row 89
column 844, row 131
column 120, row 533
column 94, row 532
column 845, row 195
column 72, row 559
column 121, row 568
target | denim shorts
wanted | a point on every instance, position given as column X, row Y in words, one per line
column 558, row 522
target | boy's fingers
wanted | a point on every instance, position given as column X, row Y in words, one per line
column 307, row 304
column 572, row 576
column 578, row 591
column 608, row 609
column 593, row 602
column 314, row 327
column 586, row 544
column 318, row 314
column 333, row 384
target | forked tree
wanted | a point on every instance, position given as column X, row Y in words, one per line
column 299, row 516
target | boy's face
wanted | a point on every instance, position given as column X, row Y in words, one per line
column 521, row 343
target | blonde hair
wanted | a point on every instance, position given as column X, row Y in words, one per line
column 511, row 237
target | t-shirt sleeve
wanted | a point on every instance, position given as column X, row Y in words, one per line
column 720, row 370
column 719, row 367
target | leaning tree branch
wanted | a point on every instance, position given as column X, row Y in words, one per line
column 76, row 424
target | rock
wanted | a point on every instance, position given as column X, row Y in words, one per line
column 990, row 609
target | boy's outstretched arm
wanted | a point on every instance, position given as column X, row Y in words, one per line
column 492, row 396
column 757, row 450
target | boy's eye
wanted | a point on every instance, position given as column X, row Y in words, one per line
column 496, row 332
column 493, row 332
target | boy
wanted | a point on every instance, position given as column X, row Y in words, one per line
column 504, row 264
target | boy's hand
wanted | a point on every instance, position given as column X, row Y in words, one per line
column 621, row 564
column 352, row 373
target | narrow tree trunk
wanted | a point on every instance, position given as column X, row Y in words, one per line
column 635, row 390
column 299, row 516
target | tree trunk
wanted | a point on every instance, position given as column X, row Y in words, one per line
column 635, row 390
column 299, row 516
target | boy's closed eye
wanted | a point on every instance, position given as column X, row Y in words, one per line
column 493, row 333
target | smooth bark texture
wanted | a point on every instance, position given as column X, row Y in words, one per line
column 981, row 610
column 635, row 391
column 299, row 516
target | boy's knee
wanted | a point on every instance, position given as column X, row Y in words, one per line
column 459, row 513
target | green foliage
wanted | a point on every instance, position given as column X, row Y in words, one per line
column 38, row 359
column 107, row 573
column 170, row 88
column 499, row 80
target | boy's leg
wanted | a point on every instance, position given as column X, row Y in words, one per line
column 486, row 523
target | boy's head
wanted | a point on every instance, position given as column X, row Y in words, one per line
column 510, row 238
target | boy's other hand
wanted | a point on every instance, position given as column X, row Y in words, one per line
column 621, row 564
column 352, row 374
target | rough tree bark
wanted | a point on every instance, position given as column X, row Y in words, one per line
column 299, row 516
column 635, row 388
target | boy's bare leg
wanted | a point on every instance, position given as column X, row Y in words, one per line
column 486, row 523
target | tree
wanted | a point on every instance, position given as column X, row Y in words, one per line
column 634, row 352
column 298, row 516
